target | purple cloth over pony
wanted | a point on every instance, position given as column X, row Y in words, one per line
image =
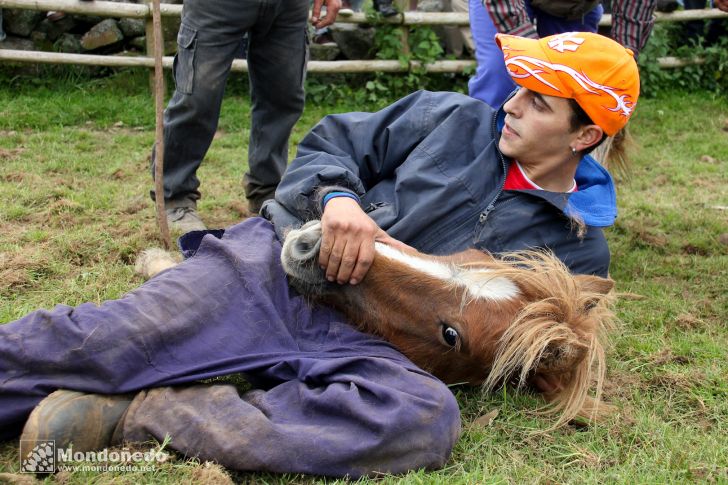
column 229, row 309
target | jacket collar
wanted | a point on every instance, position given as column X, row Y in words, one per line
column 595, row 202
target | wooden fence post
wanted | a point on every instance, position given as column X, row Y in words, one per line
column 157, row 51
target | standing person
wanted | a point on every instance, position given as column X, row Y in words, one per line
column 439, row 171
column 707, row 32
column 632, row 24
column 208, row 40
column 2, row 32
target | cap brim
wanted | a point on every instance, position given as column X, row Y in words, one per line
column 522, row 56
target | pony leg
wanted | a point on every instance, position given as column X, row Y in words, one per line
column 353, row 417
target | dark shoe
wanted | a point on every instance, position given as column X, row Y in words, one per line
column 55, row 16
column 667, row 6
column 255, row 204
column 87, row 421
column 385, row 8
column 182, row 215
column 323, row 39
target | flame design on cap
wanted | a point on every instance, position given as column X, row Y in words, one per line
column 532, row 66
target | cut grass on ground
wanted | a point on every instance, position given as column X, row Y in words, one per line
column 75, row 211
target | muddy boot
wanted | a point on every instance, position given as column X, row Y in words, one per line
column 87, row 421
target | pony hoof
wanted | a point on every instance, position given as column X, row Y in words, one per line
column 151, row 262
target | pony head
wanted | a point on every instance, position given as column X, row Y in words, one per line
column 471, row 318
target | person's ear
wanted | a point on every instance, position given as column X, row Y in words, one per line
column 588, row 135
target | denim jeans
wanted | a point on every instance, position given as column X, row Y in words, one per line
column 2, row 32
column 209, row 39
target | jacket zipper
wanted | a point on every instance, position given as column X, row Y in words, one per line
column 484, row 215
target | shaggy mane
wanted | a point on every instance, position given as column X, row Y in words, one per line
column 558, row 314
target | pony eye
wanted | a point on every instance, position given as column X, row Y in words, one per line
column 591, row 304
column 450, row 335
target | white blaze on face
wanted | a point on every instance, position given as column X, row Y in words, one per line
column 476, row 280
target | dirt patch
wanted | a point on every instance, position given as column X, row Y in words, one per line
column 666, row 356
column 694, row 250
column 18, row 268
column 136, row 205
column 15, row 177
column 686, row 321
column 619, row 386
column 64, row 205
column 10, row 153
column 676, row 382
column 17, row 479
column 240, row 209
column 210, row 473
column 652, row 239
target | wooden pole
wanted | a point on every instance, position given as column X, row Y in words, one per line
column 239, row 65
column 130, row 10
column 159, row 125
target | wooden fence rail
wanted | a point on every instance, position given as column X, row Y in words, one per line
column 129, row 10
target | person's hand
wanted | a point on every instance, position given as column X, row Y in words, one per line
column 332, row 9
column 721, row 5
column 347, row 241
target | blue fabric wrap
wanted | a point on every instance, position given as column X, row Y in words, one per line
column 229, row 309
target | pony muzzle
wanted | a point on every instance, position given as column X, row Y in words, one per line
column 300, row 252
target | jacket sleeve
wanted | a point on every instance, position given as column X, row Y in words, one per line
column 511, row 17
column 354, row 151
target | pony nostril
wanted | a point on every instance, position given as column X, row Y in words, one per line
column 306, row 247
column 303, row 247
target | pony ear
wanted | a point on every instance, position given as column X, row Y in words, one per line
column 562, row 356
column 594, row 284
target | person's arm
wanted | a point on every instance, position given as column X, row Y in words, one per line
column 511, row 17
column 632, row 22
column 332, row 9
column 721, row 5
column 351, row 153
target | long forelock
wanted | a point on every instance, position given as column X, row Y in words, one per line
column 554, row 311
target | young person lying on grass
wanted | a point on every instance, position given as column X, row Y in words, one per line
column 438, row 171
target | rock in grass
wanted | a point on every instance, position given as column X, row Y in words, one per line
column 21, row 22
column 354, row 41
column 105, row 33
column 68, row 43
column 132, row 27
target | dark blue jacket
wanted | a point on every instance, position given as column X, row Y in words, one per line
column 428, row 171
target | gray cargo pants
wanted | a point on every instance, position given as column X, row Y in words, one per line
column 209, row 38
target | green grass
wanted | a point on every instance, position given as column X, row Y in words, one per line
column 75, row 211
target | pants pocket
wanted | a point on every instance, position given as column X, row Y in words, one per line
column 184, row 60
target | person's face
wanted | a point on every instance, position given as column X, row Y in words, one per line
column 537, row 128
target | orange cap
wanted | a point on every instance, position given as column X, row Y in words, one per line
column 594, row 70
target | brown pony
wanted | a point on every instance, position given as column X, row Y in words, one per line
column 472, row 318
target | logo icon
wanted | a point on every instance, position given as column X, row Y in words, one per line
column 37, row 457
column 565, row 42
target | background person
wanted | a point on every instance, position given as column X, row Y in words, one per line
column 209, row 38
column 632, row 23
